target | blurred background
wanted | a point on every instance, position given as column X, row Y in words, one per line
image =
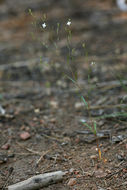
column 100, row 24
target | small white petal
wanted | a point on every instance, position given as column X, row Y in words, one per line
column 83, row 120
column 2, row 110
column 69, row 23
column 44, row 25
column 92, row 63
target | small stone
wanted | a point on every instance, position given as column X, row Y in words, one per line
column 35, row 119
column 53, row 120
column 6, row 146
column 25, row 135
column 93, row 157
column 72, row 182
column 78, row 176
column 120, row 157
column 3, row 159
column 61, row 84
column 54, row 104
column 100, row 173
column 79, row 105
column 37, row 110
column 117, row 139
column 27, row 128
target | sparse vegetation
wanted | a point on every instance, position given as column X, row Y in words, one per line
column 63, row 102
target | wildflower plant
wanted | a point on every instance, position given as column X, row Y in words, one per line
column 70, row 58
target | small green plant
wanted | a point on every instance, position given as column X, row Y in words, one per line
column 70, row 58
column 93, row 129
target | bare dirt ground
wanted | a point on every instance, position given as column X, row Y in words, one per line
column 42, row 103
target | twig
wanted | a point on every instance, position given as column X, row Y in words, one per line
column 114, row 173
column 107, row 106
column 29, row 150
column 38, row 181
column 41, row 157
column 53, row 138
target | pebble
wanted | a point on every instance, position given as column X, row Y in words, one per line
column 6, row 146
column 25, row 135
column 54, row 104
column 94, row 157
column 79, row 105
column 72, row 182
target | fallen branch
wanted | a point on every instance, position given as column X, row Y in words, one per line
column 38, row 181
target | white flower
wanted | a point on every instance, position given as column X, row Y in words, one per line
column 44, row 25
column 122, row 5
column 92, row 63
column 69, row 23
column 2, row 110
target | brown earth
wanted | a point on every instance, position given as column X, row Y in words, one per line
column 40, row 100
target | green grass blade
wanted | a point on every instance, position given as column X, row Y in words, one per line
column 83, row 99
